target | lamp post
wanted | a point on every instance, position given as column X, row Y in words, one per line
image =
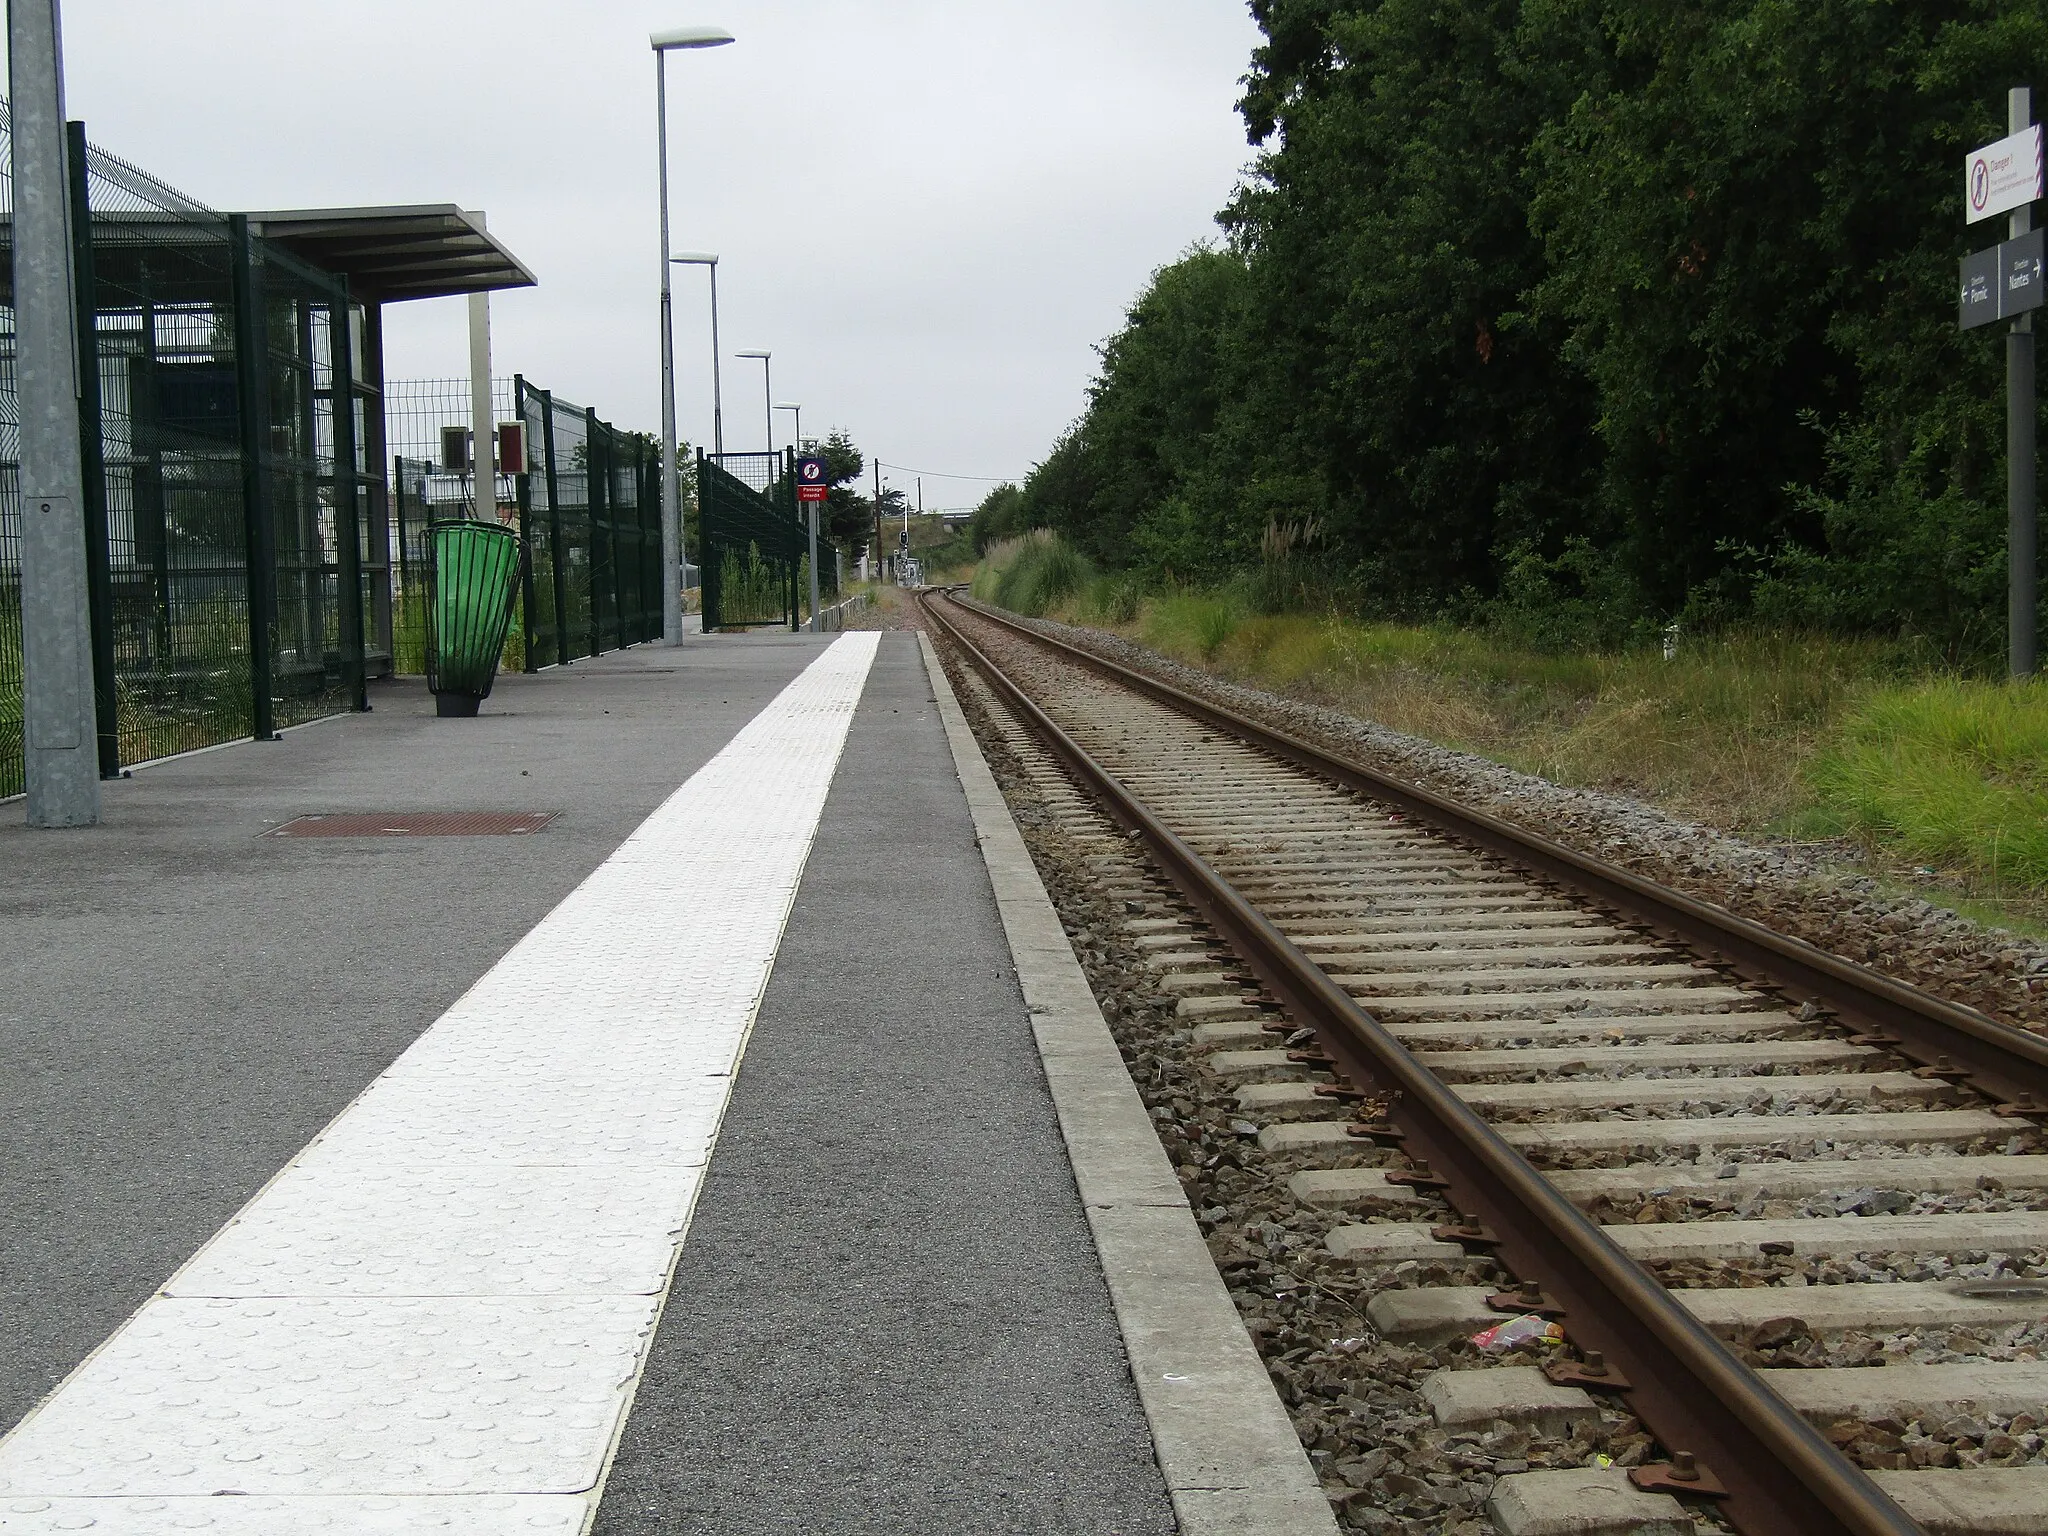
column 767, row 389
column 663, row 44
column 797, row 431
column 707, row 259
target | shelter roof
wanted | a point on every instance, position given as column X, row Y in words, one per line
column 416, row 251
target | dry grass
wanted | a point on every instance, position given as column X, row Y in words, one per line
column 1723, row 733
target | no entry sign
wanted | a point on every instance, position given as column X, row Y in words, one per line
column 811, row 484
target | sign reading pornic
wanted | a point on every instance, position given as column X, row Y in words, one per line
column 2005, row 281
column 2003, row 176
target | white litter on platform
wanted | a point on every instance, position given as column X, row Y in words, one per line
column 434, row 1317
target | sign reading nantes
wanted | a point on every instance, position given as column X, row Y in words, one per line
column 2003, row 176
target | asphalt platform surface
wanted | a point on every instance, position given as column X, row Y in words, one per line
column 185, row 1002
column 889, row 1315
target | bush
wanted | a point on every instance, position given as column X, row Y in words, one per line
column 1192, row 623
column 1033, row 573
column 1585, row 599
column 1115, row 599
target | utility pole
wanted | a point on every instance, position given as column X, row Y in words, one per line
column 875, row 549
column 2022, row 555
column 59, row 730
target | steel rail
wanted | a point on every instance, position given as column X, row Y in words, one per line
column 2008, row 1066
column 1777, row 1474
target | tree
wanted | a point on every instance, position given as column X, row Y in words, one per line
column 1649, row 296
column 848, row 516
column 1000, row 515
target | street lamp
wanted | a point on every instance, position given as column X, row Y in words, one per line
column 707, row 259
column 767, row 389
column 797, row 440
column 663, row 43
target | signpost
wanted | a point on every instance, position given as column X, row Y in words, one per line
column 812, row 487
column 2007, row 283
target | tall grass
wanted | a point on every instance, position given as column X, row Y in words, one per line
column 1950, row 771
column 1033, row 573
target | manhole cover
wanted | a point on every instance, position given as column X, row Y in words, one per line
column 416, row 824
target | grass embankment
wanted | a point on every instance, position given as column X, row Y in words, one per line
column 1777, row 736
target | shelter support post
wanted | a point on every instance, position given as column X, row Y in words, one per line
column 60, row 744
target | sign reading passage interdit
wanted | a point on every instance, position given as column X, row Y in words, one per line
column 2000, row 177
column 811, row 483
column 2005, row 281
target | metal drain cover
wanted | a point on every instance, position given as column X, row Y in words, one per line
column 416, row 824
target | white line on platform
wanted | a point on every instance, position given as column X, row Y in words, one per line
column 433, row 1319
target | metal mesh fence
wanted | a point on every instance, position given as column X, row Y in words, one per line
column 418, row 411
column 430, row 482
column 229, row 547
column 753, row 549
column 756, row 543
column 590, row 514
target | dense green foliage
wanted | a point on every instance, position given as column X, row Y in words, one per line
column 1643, row 306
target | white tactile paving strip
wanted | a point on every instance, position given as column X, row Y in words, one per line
column 432, row 1320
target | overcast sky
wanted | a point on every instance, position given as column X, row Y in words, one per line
column 930, row 210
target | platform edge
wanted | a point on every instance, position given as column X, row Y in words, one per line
column 1232, row 1461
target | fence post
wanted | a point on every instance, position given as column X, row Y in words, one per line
column 595, row 500
column 258, row 532
column 708, row 596
column 403, row 558
column 99, row 572
column 522, row 487
column 376, row 495
column 348, row 515
column 561, row 554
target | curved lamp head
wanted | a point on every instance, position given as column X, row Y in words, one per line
column 784, row 405
column 695, row 259
column 690, row 37
column 758, row 355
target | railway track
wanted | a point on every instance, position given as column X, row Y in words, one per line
column 1740, row 1173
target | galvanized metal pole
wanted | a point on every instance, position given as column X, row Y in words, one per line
column 671, row 488
column 483, row 458
column 717, row 396
column 59, row 741
column 2021, row 553
column 813, row 508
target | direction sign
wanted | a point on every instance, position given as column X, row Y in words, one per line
column 2020, row 276
column 811, row 481
column 2003, row 176
column 2007, row 280
column 1978, row 304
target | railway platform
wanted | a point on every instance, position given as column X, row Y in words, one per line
column 732, row 1152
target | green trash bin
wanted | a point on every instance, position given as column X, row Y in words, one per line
column 472, row 572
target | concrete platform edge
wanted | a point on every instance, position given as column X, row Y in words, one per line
column 1232, row 1462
